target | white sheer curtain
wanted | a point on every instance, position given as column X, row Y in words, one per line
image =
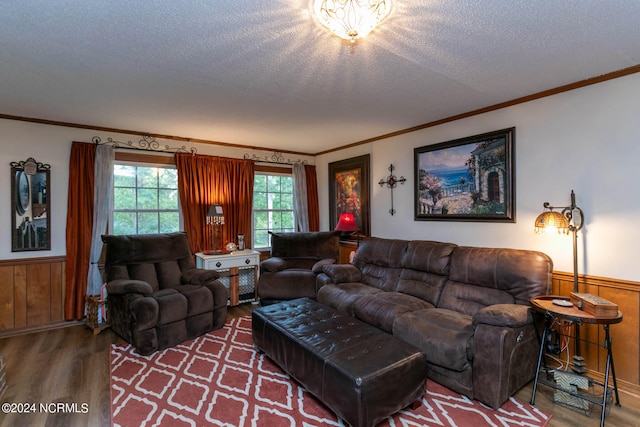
column 103, row 201
column 300, row 202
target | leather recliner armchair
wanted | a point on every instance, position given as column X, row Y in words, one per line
column 157, row 297
column 296, row 259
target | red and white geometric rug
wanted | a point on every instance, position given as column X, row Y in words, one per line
column 219, row 379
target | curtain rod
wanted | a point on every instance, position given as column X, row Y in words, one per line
column 147, row 143
column 277, row 159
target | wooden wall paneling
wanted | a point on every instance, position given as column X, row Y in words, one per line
column 591, row 335
column 624, row 336
column 20, row 295
column 57, row 292
column 31, row 294
column 7, row 299
column 38, row 294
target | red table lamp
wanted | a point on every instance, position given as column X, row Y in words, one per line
column 347, row 223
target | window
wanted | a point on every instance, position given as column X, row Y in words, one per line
column 145, row 199
column 272, row 206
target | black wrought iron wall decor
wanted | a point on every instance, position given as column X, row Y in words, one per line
column 391, row 183
column 30, row 206
column 276, row 158
column 147, row 143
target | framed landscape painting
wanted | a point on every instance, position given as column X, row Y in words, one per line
column 467, row 179
column 349, row 191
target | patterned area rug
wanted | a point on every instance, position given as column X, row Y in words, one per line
column 220, row 380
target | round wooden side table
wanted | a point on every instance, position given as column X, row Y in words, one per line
column 552, row 311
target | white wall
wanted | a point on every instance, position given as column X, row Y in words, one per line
column 586, row 140
column 52, row 145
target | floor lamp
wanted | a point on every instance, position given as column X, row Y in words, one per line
column 569, row 220
column 215, row 220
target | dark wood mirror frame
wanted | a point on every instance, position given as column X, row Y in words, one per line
column 30, row 206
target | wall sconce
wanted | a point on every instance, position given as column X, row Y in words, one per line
column 215, row 220
column 570, row 219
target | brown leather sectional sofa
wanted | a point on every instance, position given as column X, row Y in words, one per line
column 466, row 308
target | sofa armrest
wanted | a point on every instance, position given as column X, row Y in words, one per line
column 198, row 276
column 318, row 266
column 504, row 361
column 509, row 315
column 127, row 286
column 342, row 273
column 273, row 264
column 146, row 313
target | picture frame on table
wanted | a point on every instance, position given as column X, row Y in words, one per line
column 467, row 179
column 349, row 191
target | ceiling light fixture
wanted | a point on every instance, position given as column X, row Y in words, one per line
column 351, row 19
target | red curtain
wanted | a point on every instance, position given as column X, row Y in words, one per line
column 206, row 180
column 312, row 197
column 79, row 227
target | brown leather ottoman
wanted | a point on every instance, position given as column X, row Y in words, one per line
column 360, row 372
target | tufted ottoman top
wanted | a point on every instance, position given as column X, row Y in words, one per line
column 359, row 371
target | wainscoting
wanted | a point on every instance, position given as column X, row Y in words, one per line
column 32, row 298
column 625, row 336
column 31, row 294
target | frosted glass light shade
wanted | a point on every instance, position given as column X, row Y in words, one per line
column 351, row 19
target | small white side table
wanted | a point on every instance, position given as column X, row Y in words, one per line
column 239, row 272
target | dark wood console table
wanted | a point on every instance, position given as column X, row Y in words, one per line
column 545, row 306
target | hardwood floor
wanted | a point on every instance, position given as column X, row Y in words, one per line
column 71, row 365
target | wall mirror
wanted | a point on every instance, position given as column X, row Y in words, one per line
column 30, row 206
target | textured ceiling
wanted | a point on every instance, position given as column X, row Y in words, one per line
column 266, row 74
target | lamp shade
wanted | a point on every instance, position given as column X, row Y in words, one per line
column 215, row 215
column 347, row 222
column 215, row 210
column 351, row 19
column 550, row 221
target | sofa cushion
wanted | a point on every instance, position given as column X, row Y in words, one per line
column 523, row 274
column 511, row 315
column 380, row 261
column 420, row 284
column 343, row 296
column 145, row 272
column 341, row 273
column 468, row 299
column 168, row 273
column 302, row 263
column 199, row 298
column 145, row 248
column 428, row 256
column 273, row 264
column 445, row 336
column 382, row 308
column 172, row 306
column 318, row 266
column 318, row 244
column 287, row 284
